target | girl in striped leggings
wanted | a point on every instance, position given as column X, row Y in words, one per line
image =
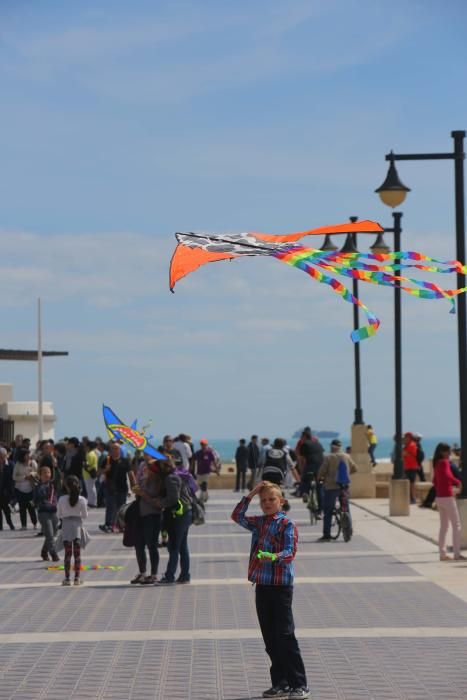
column 72, row 509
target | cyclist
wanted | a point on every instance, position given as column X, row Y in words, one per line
column 311, row 457
column 335, row 471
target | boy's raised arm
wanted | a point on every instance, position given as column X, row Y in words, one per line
column 239, row 512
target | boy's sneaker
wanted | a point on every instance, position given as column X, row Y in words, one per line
column 165, row 581
column 66, row 582
column 277, row 691
column 77, row 582
column 299, row 693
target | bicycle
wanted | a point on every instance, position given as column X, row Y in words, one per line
column 340, row 519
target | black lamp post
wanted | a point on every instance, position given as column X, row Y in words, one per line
column 398, row 469
column 350, row 246
column 392, row 193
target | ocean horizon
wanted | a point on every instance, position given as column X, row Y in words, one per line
column 226, row 446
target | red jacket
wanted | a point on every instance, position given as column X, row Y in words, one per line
column 444, row 479
column 409, row 454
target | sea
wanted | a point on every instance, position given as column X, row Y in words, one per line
column 226, row 446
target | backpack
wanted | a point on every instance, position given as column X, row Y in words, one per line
column 342, row 475
column 275, row 464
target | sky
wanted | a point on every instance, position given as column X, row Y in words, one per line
column 122, row 123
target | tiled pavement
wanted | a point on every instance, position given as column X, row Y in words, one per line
column 370, row 625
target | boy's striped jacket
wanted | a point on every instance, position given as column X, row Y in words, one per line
column 270, row 533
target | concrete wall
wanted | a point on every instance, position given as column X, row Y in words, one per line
column 25, row 415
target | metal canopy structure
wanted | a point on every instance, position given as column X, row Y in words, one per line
column 28, row 355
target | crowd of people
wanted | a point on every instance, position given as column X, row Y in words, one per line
column 300, row 468
column 53, row 485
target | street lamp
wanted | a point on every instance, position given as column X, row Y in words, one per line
column 350, row 246
column 398, row 469
column 391, row 192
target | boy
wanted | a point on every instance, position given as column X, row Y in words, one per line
column 273, row 548
column 45, row 498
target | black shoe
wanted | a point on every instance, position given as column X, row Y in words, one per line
column 182, row 579
column 277, row 691
column 165, row 581
column 55, row 557
column 324, row 539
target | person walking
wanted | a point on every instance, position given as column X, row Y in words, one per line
column 312, row 453
column 72, row 510
column 91, row 463
column 175, row 500
column 241, row 463
column 372, row 444
column 116, row 469
column 277, row 462
column 420, row 455
column 24, row 476
column 273, row 549
column 205, row 464
column 6, row 488
column 409, row 457
column 253, row 460
column 443, row 481
column 45, row 498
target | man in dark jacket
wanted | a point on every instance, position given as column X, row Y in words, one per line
column 312, row 454
column 241, row 461
column 116, row 469
column 6, row 488
column 253, row 459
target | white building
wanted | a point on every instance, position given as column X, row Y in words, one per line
column 25, row 415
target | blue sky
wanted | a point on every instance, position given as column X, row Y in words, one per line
column 124, row 122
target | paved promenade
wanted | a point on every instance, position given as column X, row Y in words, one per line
column 379, row 617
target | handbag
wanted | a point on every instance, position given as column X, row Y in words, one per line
column 197, row 512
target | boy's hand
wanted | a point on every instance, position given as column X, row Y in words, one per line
column 266, row 555
column 256, row 490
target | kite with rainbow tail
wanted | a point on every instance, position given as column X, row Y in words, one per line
column 196, row 249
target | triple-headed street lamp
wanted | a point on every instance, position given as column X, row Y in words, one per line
column 393, row 192
column 379, row 246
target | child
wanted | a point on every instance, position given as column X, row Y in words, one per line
column 45, row 498
column 72, row 509
column 273, row 548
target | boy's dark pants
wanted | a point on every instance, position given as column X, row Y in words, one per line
column 274, row 608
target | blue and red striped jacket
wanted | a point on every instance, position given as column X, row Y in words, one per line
column 270, row 533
